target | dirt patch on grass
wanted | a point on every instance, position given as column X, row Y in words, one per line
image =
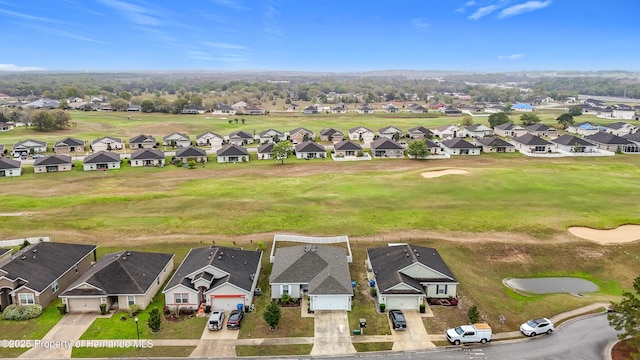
column 437, row 173
column 16, row 214
column 514, row 256
column 619, row 235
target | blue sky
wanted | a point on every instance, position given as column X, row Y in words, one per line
column 328, row 35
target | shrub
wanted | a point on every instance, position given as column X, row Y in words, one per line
column 272, row 314
column 103, row 309
column 423, row 308
column 133, row 310
column 62, row 309
column 473, row 314
column 285, row 298
column 382, row 307
column 154, row 320
column 16, row 312
column 185, row 312
column 373, row 291
column 24, row 244
column 207, row 309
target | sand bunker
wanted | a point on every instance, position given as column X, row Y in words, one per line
column 438, row 173
column 621, row 234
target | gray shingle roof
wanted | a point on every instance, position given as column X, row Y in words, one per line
column 570, row 140
column 25, row 142
column 352, row 130
column 494, row 141
column 265, row 149
column 347, row 145
column 323, row 268
column 420, row 129
column 385, row 144
column 635, row 137
column 329, row 132
column 53, row 160
column 180, row 136
column 198, row 137
column 606, row 138
column 529, row 139
column 538, row 127
column 431, row 144
column 507, row 126
column 102, row 157
column 49, row 261
column 142, row 138
column 458, row 143
column 232, row 150
column 106, row 138
column 239, row 264
column 68, row 142
column 147, row 154
column 387, row 262
column 309, row 146
column 6, row 164
column 190, row 151
column 241, row 135
column 123, row 273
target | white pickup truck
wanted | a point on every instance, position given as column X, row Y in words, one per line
column 465, row 334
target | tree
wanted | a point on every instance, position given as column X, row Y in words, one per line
column 62, row 119
column 507, row 107
column 625, row 317
column 272, row 314
column 63, row 105
column 43, row 120
column 417, row 149
column 575, row 111
column 467, row 120
column 119, row 104
column 565, row 120
column 125, row 95
column 281, row 150
column 155, row 320
column 529, row 119
column 473, row 314
column 498, row 119
column 147, row 106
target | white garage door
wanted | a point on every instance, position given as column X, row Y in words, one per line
column 330, row 303
column 226, row 302
column 401, row 302
column 83, row 305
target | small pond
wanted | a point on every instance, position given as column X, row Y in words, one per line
column 552, row 285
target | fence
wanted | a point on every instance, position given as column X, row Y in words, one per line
column 31, row 240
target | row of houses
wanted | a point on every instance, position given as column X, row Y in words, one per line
column 221, row 277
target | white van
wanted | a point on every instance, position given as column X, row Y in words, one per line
column 216, row 319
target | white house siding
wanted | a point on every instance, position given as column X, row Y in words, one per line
column 192, row 300
column 43, row 168
column 230, row 159
column 104, row 146
column 83, row 304
column 228, row 296
column 330, row 302
column 111, row 165
column 570, row 148
column 10, row 172
column 446, row 290
column 277, row 290
column 401, row 302
column 154, row 162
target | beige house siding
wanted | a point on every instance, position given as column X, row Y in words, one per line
column 43, row 168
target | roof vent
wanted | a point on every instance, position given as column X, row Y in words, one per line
column 417, row 254
column 124, row 258
column 219, row 257
column 24, row 258
column 34, row 251
column 406, row 254
column 252, row 276
column 245, row 263
column 208, row 257
column 128, row 253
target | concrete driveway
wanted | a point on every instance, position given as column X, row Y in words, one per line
column 69, row 329
column 414, row 337
column 219, row 343
column 332, row 333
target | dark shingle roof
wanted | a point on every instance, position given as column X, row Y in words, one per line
column 529, row 139
column 53, row 160
column 506, row 126
column 268, row 133
column 123, row 273
column 617, row 125
column 265, row 149
column 458, row 143
column 147, row 154
column 190, row 151
column 420, row 129
column 538, row 127
column 494, row 141
column 49, row 261
column 240, row 134
column 68, row 142
column 301, row 129
column 570, row 140
column 6, row 164
column 106, row 138
column 198, row 137
column 232, row 150
column 385, row 144
column 606, row 138
column 329, row 132
column 323, row 268
column 431, row 144
column 347, row 145
column 635, row 137
column 387, row 262
column 142, row 138
column 352, row 130
column 239, row 264
column 102, row 157
column 309, row 146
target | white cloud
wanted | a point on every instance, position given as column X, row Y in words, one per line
column 14, row 67
column 418, row 23
column 135, row 13
column 231, row 4
column 523, row 8
column 511, row 57
column 464, row 7
column 28, row 17
column 224, row 46
column 483, row 11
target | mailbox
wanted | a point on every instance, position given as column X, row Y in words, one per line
column 363, row 323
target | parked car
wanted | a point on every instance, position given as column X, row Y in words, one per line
column 397, row 320
column 472, row 333
column 36, row 156
column 537, row 326
column 216, row 319
column 234, row 320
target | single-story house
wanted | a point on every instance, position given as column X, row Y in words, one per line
column 450, row 111
column 40, row 272
column 224, row 109
column 332, row 135
column 570, row 143
column 193, row 109
column 322, row 272
column 52, row 163
column 340, row 108
column 611, row 142
column 134, row 108
column 10, row 167
column 449, row 132
column 365, row 109
column 390, row 108
column 522, row 107
column 102, row 160
column 310, row 150
column 232, row 154
column 433, row 148
column 418, row 109
column 142, row 142
column 459, row 146
column 240, row 105
column 240, row 138
column 386, row 148
column 310, row 110
column 176, row 140
column 623, row 113
column 361, row 133
column 542, row 130
column 271, row 136
column 5, row 127
column 509, row 130
column 210, row 139
column 220, row 277
column 391, row 132
column 585, row 128
column 253, row 110
column 419, row 132
column 147, row 157
column 634, row 138
column 494, row 144
column 106, row 144
column 300, row 135
column 27, row 147
column 119, row 280
column 620, row 128
column 68, row 146
column 347, row 148
column 478, row 131
column 191, row 153
column 407, row 275
column 264, row 151
column 532, row 144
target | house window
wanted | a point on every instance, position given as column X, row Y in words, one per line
column 26, row 299
column 55, row 286
column 131, row 300
column 285, row 290
column 76, row 269
column 441, row 289
column 181, row 298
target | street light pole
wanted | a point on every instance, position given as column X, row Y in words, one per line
column 137, row 329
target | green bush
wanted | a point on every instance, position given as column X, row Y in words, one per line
column 133, row 310
column 373, row 291
column 154, row 320
column 473, row 314
column 423, row 308
column 15, row 312
column 285, row 298
column 62, row 308
column 103, row 309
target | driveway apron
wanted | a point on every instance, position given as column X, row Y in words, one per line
column 414, row 337
column 69, row 328
column 332, row 334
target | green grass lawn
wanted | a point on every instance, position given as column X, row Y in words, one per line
column 273, row 350
column 34, row 328
column 373, row 346
column 157, row 351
